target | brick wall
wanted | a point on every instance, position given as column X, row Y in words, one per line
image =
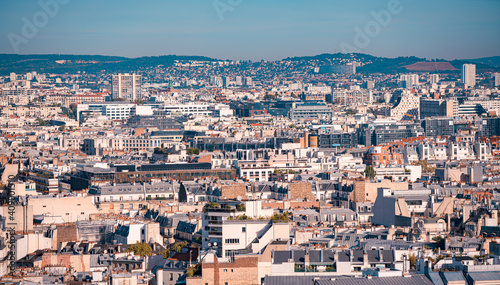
column 66, row 233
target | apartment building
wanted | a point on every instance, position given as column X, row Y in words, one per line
column 127, row 86
column 234, row 227
column 112, row 110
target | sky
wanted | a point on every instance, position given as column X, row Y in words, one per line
column 252, row 29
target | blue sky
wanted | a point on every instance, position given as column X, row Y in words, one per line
column 253, row 29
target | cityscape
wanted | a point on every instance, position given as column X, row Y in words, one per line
column 285, row 161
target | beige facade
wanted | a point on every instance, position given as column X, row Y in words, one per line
column 64, row 209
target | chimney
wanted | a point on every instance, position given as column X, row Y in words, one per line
column 381, row 254
column 365, row 259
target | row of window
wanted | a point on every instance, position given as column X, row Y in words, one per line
column 233, row 240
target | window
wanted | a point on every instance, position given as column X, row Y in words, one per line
column 243, row 230
column 232, row 240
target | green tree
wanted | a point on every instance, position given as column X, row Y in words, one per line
column 413, row 261
column 166, row 253
column 192, row 151
column 369, row 172
column 280, row 218
column 176, row 247
column 141, row 249
column 440, row 242
column 159, row 150
column 62, row 128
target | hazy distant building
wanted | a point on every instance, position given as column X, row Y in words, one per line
column 238, row 80
column 348, row 68
column 433, row 78
column 497, row 79
column 248, row 81
column 409, row 80
column 127, row 86
column 469, row 74
column 13, row 76
column 226, row 81
column 216, row 81
column 369, row 84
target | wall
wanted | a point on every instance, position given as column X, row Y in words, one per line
column 70, row 209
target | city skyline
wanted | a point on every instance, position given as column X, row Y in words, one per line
column 254, row 30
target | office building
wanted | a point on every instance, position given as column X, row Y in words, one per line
column 85, row 176
column 127, row 86
column 438, row 108
column 489, row 127
column 469, row 75
column 442, row 126
column 311, row 112
column 383, row 132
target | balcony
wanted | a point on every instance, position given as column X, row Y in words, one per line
column 214, row 233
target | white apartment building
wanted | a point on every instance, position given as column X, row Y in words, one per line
column 254, row 170
column 429, row 151
column 469, row 75
column 433, row 78
column 112, row 110
column 409, row 104
column 222, row 226
column 488, row 105
column 482, row 150
column 186, row 109
column 138, row 232
column 409, row 80
column 459, row 151
column 127, row 86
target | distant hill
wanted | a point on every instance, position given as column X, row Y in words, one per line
column 374, row 64
column 60, row 64
column 52, row 63
column 491, row 61
column 430, row 66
